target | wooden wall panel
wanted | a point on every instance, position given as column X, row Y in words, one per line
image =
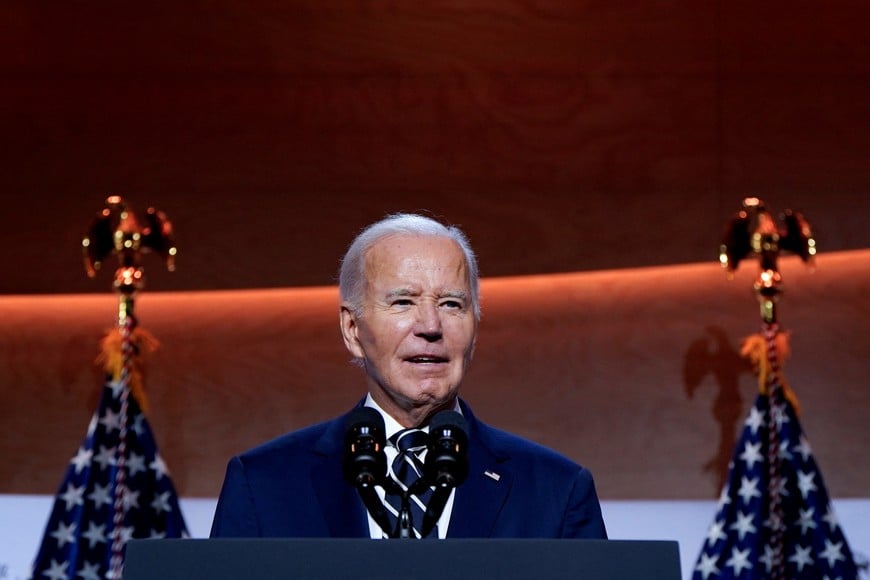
column 598, row 365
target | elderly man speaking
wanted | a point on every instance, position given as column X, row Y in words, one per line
column 409, row 314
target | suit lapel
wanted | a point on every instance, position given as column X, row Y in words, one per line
column 480, row 499
column 343, row 511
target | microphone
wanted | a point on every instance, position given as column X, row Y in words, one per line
column 446, row 463
column 447, row 455
column 365, row 463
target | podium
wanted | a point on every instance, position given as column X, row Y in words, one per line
column 313, row 559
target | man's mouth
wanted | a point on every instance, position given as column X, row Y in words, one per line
column 426, row 359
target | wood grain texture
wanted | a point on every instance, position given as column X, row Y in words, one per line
column 598, row 365
column 565, row 136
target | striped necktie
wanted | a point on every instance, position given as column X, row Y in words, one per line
column 407, row 468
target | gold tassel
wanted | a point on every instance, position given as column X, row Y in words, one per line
column 754, row 348
column 112, row 360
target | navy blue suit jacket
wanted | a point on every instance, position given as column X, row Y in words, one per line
column 293, row 487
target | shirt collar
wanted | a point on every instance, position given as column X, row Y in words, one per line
column 391, row 426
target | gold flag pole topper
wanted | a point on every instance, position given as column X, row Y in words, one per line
column 754, row 231
column 116, row 230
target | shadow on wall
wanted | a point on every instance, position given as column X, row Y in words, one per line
column 712, row 354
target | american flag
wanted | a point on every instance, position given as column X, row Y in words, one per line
column 774, row 517
column 116, row 487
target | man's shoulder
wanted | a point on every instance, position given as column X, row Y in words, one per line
column 502, row 441
column 506, row 445
column 303, row 440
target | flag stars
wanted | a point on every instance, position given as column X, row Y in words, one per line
column 73, row 496
column 779, row 416
column 830, row 518
column 95, row 534
column 755, row 420
column 82, row 459
column 832, row 553
column 125, row 533
column 743, row 525
column 92, row 426
column 774, row 522
column 783, row 453
column 117, row 387
column 780, row 521
column 135, row 464
column 130, row 499
column 111, row 421
column 105, row 457
column 89, row 571
column 64, row 534
column 779, row 487
column 161, row 503
column 751, row 454
column 806, row 483
column 801, row 557
column 767, row 558
column 139, row 425
column 803, row 449
column 739, row 560
column 707, row 566
column 159, row 467
column 100, row 495
column 57, row 570
column 806, row 520
column 716, row 533
column 723, row 498
column 95, row 512
column 748, row 489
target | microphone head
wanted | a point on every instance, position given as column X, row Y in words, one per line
column 447, row 455
column 364, row 440
column 365, row 417
column 449, row 420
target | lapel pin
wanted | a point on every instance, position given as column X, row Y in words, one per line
column 492, row 475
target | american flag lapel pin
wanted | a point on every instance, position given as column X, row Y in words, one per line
column 492, row 475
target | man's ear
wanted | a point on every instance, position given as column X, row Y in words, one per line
column 350, row 330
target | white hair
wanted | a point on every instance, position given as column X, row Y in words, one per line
column 352, row 275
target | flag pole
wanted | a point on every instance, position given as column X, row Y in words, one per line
column 117, row 487
column 754, row 231
column 116, row 230
column 774, row 517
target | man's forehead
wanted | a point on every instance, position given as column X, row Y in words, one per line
column 402, row 247
column 405, row 261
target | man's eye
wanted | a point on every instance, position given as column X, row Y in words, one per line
column 452, row 304
column 401, row 302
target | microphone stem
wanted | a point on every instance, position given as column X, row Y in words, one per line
column 373, row 504
column 404, row 521
column 435, row 508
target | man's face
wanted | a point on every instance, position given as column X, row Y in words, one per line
column 417, row 327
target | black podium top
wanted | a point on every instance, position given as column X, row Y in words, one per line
column 272, row 558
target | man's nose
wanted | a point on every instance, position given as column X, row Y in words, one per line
column 428, row 321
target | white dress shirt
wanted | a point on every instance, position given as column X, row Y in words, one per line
column 391, row 427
